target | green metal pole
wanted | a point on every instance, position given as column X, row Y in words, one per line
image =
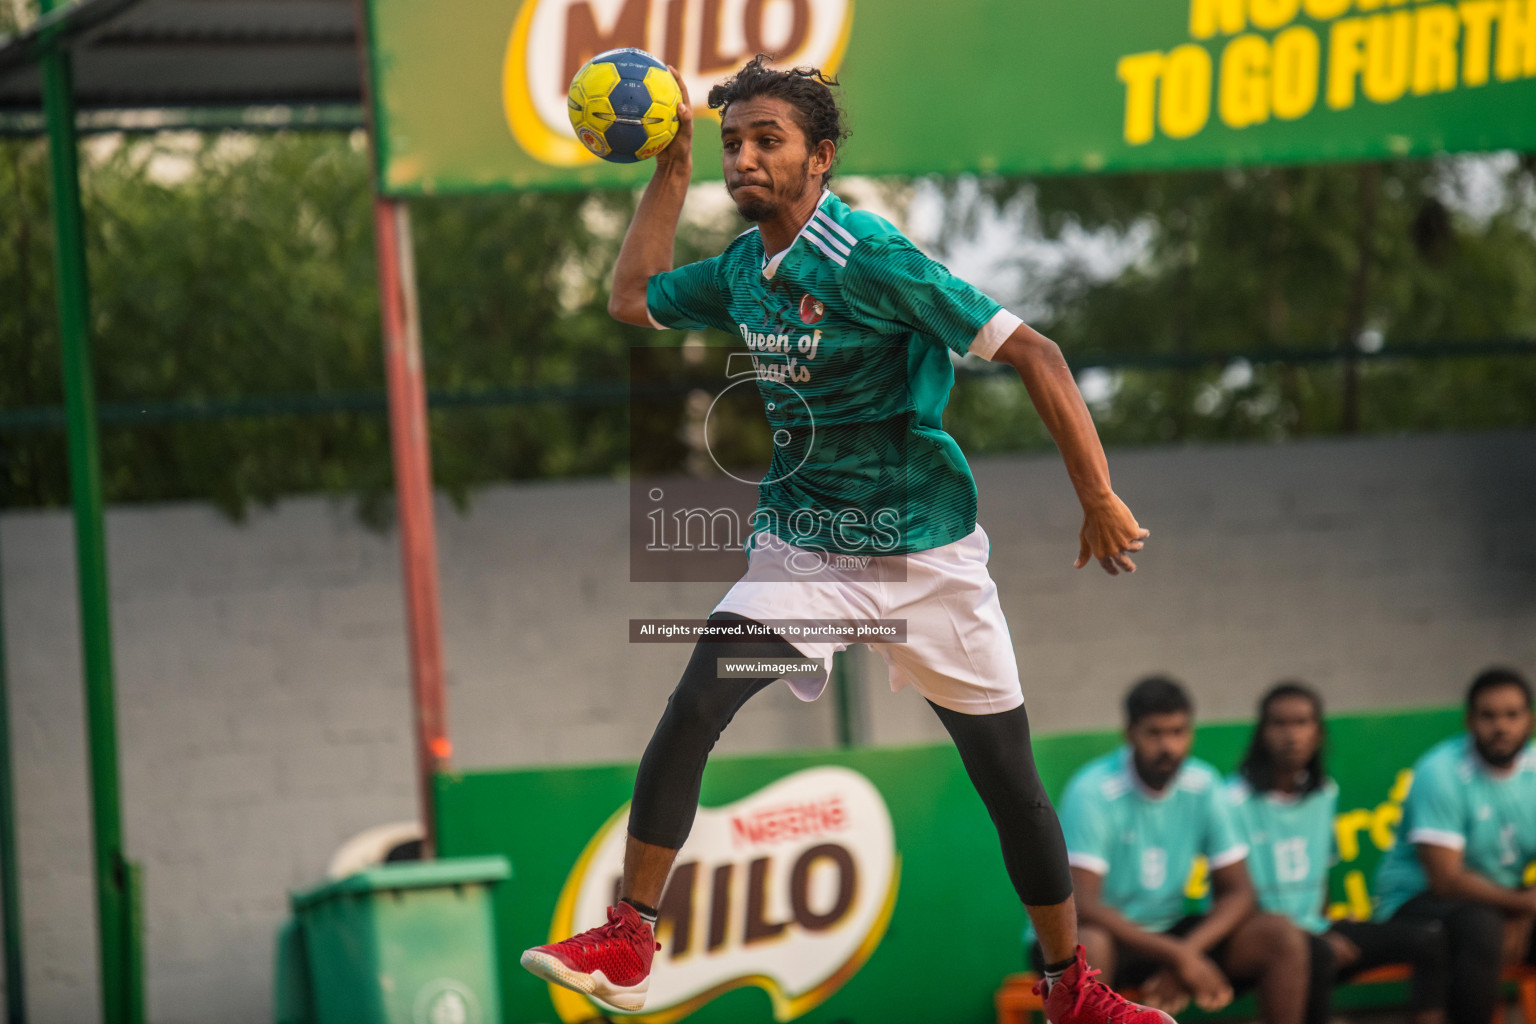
column 10, row 887
column 846, row 707
column 90, row 537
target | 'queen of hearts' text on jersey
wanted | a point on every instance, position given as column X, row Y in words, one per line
column 849, row 330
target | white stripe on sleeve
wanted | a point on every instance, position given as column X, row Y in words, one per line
column 835, row 226
column 1088, row 862
column 826, row 250
column 993, row 333
column 1438, row 837
column 814, row 229
column 1229, row 857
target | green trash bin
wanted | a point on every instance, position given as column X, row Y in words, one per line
column 410, row 943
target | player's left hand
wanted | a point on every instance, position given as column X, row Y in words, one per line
column 1110, row 534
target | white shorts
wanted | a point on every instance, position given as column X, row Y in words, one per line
column 957, row 650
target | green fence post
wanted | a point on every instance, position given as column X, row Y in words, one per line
column 10, row 870
column 850, row 727
column 90, row 536
column 133, row 943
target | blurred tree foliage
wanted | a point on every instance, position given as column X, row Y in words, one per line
column 226, row 268
column 1275, row 259
column 232, row 267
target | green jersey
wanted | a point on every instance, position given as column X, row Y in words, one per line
column 1290, row 847
column 1142, row 843
column 1458, row 802
column 849, row 332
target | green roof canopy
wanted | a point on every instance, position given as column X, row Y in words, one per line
column 168, row 55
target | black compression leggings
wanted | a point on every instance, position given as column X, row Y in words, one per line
column 997, row 756
column 994, row 748
column 672, row 768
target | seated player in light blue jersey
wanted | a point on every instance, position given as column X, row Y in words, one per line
column 1465, row 849
column 1135, row 821
column 851, row 330
column 1284, row 804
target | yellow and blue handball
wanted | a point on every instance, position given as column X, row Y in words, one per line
column 623, row 105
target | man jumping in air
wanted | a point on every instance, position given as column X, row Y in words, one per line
column 867, row 468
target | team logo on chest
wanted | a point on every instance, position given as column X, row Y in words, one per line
column 812, row 309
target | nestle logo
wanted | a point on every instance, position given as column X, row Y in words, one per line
column 792, row 821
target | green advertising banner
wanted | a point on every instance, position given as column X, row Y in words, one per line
column 470, row 95
column 853, row 886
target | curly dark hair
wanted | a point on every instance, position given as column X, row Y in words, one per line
column 806, row 89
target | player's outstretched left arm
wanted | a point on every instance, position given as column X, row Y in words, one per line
column 1110, row 533
column 647, row 248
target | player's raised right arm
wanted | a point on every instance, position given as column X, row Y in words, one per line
column 647, row 248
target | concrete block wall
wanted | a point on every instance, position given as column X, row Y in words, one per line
column 263, row 693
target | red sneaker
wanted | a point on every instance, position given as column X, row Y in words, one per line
column 611, row 962
column 1079, row 997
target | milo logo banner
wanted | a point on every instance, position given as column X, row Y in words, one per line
column 705, row 41
column 470, row 96
column 813, row 887
column 788, row 889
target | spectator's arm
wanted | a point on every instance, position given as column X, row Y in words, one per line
column 1226, row 850
column 1232, row 904
column 1092, row 911
column 1450, row 878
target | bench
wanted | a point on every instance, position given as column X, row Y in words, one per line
column 1017, row 1003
